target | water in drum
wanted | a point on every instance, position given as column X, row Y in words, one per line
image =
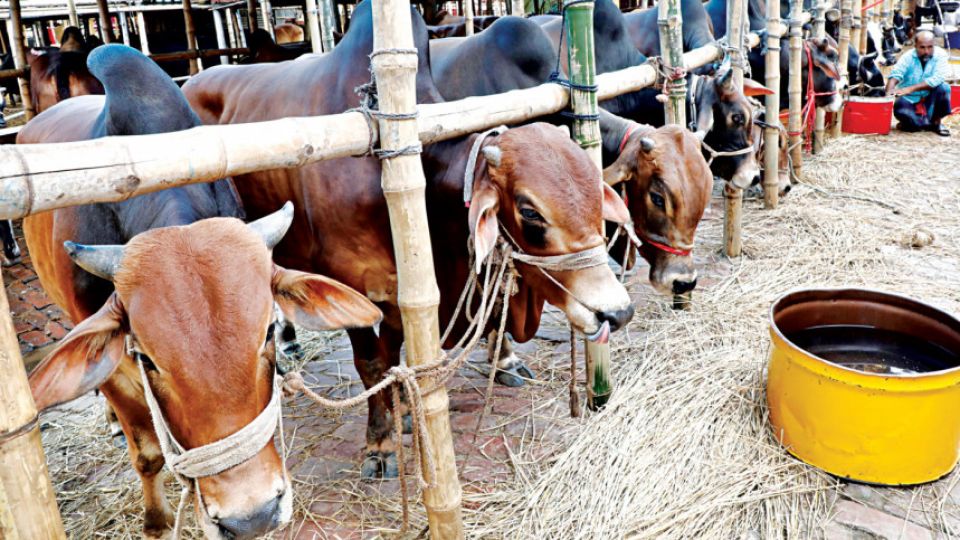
column 872, row 350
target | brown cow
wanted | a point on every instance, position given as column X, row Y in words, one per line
column 187, row 299
column 57, row 74
column 288, row 32
column 532, row 182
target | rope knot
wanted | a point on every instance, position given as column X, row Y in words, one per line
column 403, row 374
column 292, row 384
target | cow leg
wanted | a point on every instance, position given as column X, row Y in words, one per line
column 511, row 371
column 11, row 251
column 124, row 391
column 373, row 356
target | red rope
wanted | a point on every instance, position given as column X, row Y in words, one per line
column 875, row 4
column 664, row 247
column 809, row 111
column 626, row 137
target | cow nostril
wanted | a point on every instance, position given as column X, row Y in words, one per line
column 680, row 287
column 616, row 318
column 263, row 520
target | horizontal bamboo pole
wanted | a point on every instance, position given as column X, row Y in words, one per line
column 34, row 178
column 14, row 73
column 194, row 54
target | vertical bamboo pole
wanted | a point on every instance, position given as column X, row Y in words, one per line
column 733, row 196
column 106, row 29
column 518, row 8
column 8, row 527
column 142, row 28
column 795, row 89
column 24, row 481
column 124, row 28
column 221, row 37
column 15, row 31
column 670, row 24
column 404, row 186
column 857, row 27
column 231, row 22
column 819, row 31
column 846, row 23
column 771, row 137
column 191, row 32
column 327, row 23
column 241, row 36
column 266, row 11
column 887, row 14
column 468, row 16
column 72, row 13
column 313, row 26
column 251, row 15
column 586, row 131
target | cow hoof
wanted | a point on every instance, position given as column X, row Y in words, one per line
column 514, row 376
column 10, row 262
column 119, row 441
column 379, row 465
column 390, row 469
column 293, row 351
column 407, row 422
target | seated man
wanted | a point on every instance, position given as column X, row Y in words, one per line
column 919, row 82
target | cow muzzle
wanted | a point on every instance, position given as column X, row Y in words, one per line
column 261, row 519
column 746, row 174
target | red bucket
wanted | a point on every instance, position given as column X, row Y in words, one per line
column 954, row 98
column 868, row 115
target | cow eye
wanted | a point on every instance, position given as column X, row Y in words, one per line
column 739, row 119
column 658, row 201
column 530, row 214
column 145, row 361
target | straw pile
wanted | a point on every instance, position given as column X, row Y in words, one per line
column 683, row 449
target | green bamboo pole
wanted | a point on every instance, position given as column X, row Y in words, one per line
column 670, row 24
column 586, row 131
column 733, row 196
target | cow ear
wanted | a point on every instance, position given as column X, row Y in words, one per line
column 484, row 228
column 319, row 303
column 614, row 208
column 86, row 357
column 752, row 88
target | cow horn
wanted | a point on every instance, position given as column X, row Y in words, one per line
column 647, row 144
column 493, row 155
column 272, row 227
column 101, row 261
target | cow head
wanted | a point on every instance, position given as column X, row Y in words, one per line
column 863, row 69
column 667, row 185
column 783, row 174
column 194, row 305
column 826, row 72
column 546, row 194
column 725, row 123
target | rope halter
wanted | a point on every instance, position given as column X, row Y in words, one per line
column 188, row 466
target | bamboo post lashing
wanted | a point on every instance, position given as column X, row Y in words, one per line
column 15, row 31
column 819, row 31
column 221, row 37
column 251, row 15
column 191, row 32
column 670, row 24
column 846, row 24
column 117, row 168
column 72, row 13
column 771, row 135
column 124, row 28
column 327, row 14
column 394, row 64
column 795, row 90
column 266, row 11
column 468, row 17
column 106, row 30
column 31, row 501
column 578, row 22
column 142, row 29
column 313, row 26
column 733, row 196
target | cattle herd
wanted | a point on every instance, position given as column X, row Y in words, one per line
column 170, row 291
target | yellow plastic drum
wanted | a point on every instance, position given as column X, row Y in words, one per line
column 866, row 385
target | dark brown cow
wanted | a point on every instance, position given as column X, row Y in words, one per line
column 263, row 50
column 57, row 74
column 191, row 300
column 532, row 181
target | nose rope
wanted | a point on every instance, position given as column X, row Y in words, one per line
column 188, row 466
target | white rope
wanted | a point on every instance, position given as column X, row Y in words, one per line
column 188, row 466
column 468, row 172
column 578, row 260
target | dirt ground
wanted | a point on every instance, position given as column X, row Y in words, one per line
column 528, row 428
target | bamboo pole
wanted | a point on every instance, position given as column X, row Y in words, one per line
column 586, row 131
column 241, row 35
column 733, row 196
column 191, row 32
column 142, row 28
column 231, row 23
column 221, row 38
column 771, row 137
column 24, row 481
column 857, row 27
column 124, row 28
column 251, row 15
column 32, row 178
column 886, row 15
column 819, row 31
column 327, row 20
column 866, row 15
column 72, row 13
column 795, row 89
column 418, row 296
column 106, row 30
column 313, row 26
column 518, row 8
column 15, row 31
column 468, row 17
column 266, row 11
column 8, row 529
column 846, row 23
column 670, row 24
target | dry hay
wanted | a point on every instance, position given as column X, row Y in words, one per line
column 683, row 449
